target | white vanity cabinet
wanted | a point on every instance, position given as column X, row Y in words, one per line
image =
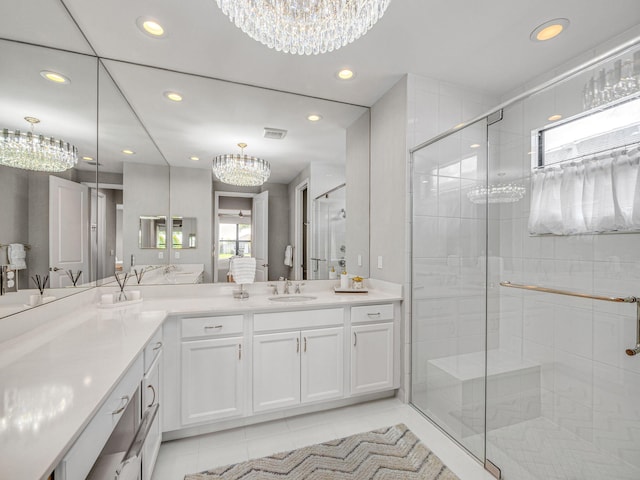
column 372, row 348
column 151, row 393
column 211, row 368
column 299, row 366
column 276, row 370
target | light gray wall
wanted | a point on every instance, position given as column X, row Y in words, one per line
column 388, row 184
column 278, row 230
column 14, row 214
column 146, row 192
column 191, row 191
column 357, row 203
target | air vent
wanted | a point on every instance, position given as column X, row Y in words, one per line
column 274, row 133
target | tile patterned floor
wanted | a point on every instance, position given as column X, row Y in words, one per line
column 180, row 457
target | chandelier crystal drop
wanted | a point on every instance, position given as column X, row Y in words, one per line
column 29, row 151
column 304, row 27
column 500, row 193
column 240, row 169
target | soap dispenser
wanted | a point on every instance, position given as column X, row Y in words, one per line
column 332, row 273
column 344, row 280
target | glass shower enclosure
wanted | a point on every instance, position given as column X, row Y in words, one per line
column 534, row 383
column 329, row 234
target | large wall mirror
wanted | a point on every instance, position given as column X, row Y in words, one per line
column 315, row 199
column 142, row 154
column 47, row 218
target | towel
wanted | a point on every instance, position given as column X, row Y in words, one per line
column 288, row 256
column 243, row 269
column 17, row 256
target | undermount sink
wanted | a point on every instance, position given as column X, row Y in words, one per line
column 292, row 298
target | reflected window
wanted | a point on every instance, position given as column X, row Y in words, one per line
column 235, row 239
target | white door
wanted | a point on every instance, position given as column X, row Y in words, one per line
column 260, row 229
column 322, row 364
column 371, row 358
column 212, row 380
column 68, row 231
column 276, row 370
column 151, row 397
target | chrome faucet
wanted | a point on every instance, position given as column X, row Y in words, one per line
column 275, row 288
column 287, row 284
column 298, row 285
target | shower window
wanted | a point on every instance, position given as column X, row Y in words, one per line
column 586, row 174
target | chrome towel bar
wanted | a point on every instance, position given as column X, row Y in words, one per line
column 629, row 351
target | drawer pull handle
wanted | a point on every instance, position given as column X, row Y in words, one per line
column 154, row 396
column 355, row 339
column 239, row 351
column 376, row 315
column 158, row 346
column 305, row 344
column 121, row 409
column 207, row 327
column 297, row 345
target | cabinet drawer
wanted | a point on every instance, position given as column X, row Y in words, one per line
column 370, row 313
column 153, row 348
column 78, row 462
column 263, row 322
column 211, row 326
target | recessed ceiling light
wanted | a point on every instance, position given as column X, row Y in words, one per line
column 555, row 117
column 151, row 27
column 549, row 30
column 54, row 77
column 87, row 159
column 474, row 145
column 194, row 158
column 128, row 152
column 173, row 96
column 314, row 117
column 345, row 74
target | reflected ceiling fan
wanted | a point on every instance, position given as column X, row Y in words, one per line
column 234, row 213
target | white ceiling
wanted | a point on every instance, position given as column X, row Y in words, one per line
column 481, row 45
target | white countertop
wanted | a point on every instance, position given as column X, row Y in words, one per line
column 52, row 390
column 54, row 377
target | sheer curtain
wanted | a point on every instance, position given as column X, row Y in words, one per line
column 598, row 194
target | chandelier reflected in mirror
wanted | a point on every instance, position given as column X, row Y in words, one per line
column 29, row 151
column 499, row 193
column 304, row 27
column 240, row 169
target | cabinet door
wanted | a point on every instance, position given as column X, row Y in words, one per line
column 371, row 357
column 150, row 397
column 212, row 380
column 276, row 370
column 322, row 364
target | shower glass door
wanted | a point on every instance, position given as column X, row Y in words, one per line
column 562, row 395
column 449, row 302
column 329, row 234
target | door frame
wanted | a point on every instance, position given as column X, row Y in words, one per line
column 216, row 225
column 297, row 228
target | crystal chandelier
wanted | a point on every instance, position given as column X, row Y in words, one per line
column 35, row 152
column 500, row 193
column 241, row 170
column 304, row 27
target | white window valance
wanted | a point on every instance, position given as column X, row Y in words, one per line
column 592, row 195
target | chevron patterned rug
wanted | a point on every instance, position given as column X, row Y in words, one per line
column 392, row 453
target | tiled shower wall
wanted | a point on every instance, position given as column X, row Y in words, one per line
column 449, row 248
